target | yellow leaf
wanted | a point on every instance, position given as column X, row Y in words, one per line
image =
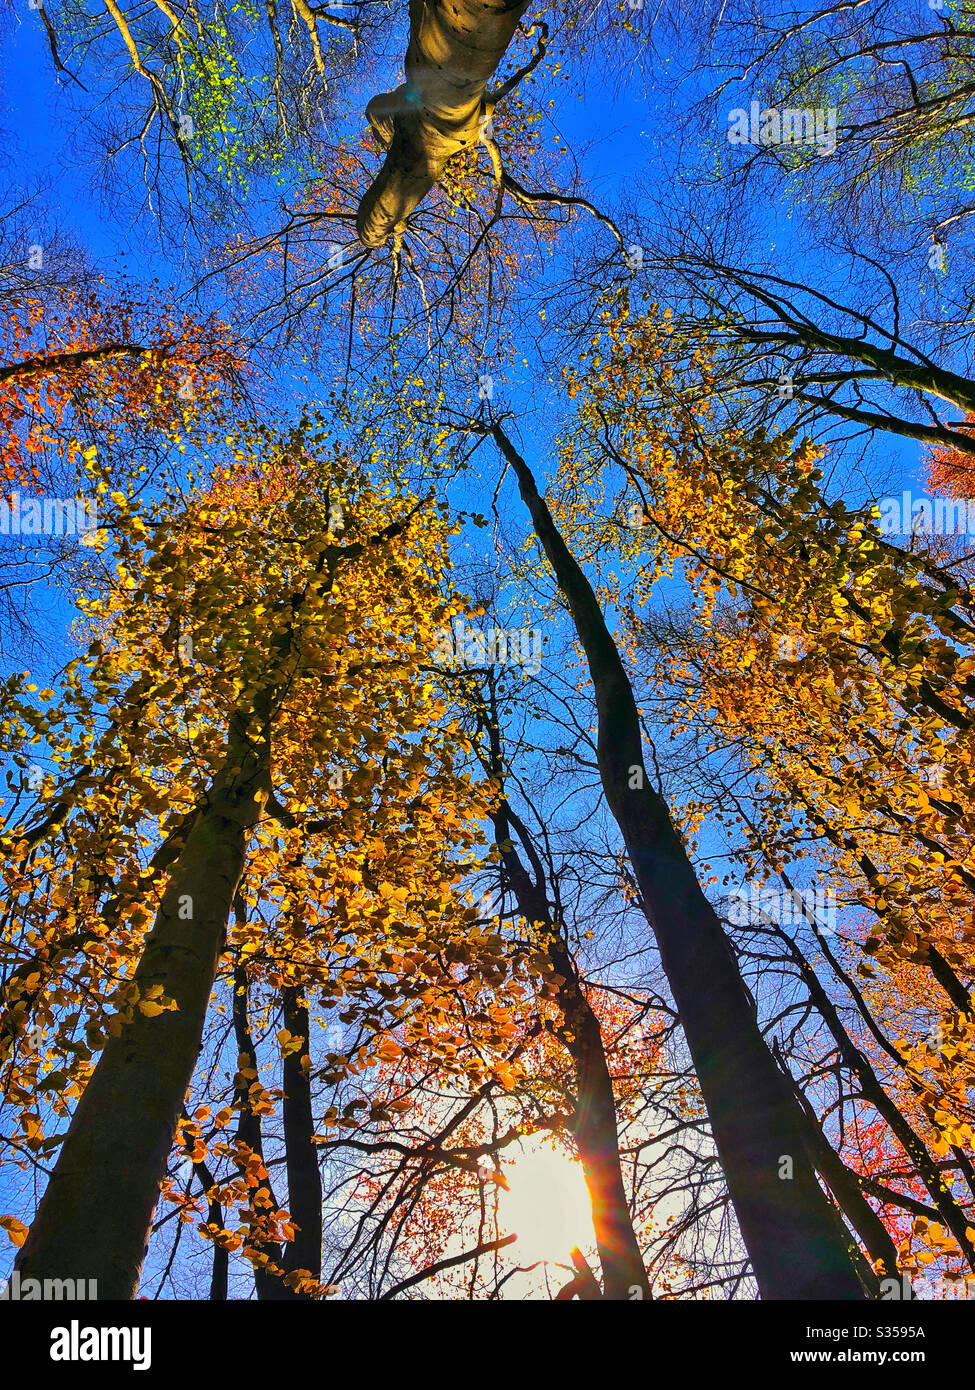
column 15, row 1229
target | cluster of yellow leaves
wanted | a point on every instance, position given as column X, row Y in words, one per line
column 286, row 568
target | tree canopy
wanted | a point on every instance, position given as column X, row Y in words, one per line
column 488, row 652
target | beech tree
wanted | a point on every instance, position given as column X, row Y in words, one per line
column 247, row 675
column 399, row 794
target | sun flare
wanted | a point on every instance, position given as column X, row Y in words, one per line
column 547, row 1204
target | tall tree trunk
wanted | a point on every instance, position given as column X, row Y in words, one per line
column 797, row 1244
column 267, row 1266
column 949, row 981
column 845, row 1187
column 597, row 1138
column 220, row 1271
column 453, row 52
column 594, row 1121
column 304, row 1175
column 94, row 1217
column 870, row 1086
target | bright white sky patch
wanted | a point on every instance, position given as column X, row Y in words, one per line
column 547, row 1204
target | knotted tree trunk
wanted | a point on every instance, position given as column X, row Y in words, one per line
column 454, row 49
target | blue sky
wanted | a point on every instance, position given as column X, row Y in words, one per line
column 625, row 127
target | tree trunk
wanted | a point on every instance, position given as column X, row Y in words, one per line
column 949, row 981
column 870, row 1086
column 453, row 52
column 94, row 1217
column 797, row 1244
column 267, row 1281
column 220, row 1271
column 845, row 1187
column 594, row 1126
column 594, row 1122
column 304, row 1176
